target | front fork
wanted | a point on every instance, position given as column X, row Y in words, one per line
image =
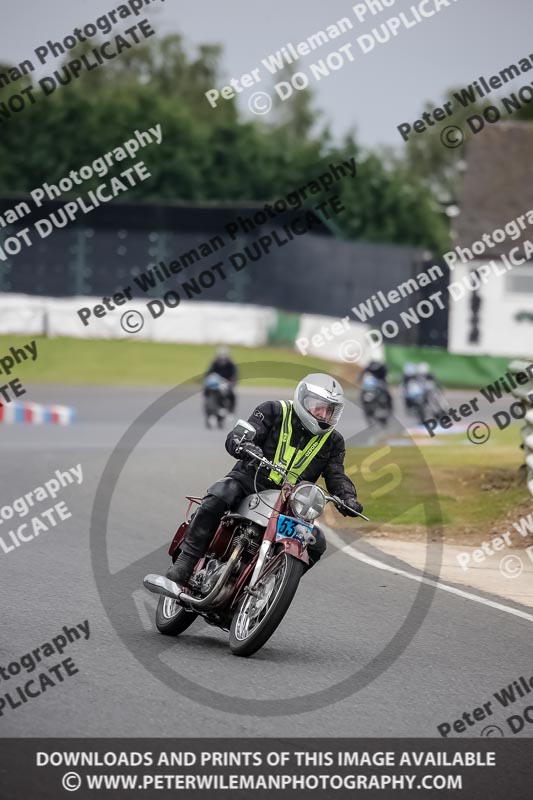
column 263, row 552
column 289, row 547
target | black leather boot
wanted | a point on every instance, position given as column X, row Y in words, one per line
column 181, row 571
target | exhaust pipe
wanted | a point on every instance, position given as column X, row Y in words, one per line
column 158, row 584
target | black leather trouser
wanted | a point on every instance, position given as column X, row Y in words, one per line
column 221, row 496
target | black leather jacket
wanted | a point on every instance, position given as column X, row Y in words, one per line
column 224, row 367
column 329, row 461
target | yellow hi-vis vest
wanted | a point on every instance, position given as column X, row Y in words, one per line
column 287, row 456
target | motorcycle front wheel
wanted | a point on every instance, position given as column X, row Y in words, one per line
column 258, row 615
column 171, row 619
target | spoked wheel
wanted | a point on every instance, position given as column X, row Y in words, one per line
column 171, row 618
column 258, row 615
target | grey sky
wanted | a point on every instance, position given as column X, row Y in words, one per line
column 374, row 94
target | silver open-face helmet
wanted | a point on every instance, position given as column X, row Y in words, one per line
column 318, row 402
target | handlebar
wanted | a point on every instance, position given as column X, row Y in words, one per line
column 264, row 462
column 338, row 502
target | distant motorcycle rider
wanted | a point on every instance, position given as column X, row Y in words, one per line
column 300, row 435
column 224, row 366
column 378, row 370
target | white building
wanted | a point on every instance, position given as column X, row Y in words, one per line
column 494, row 226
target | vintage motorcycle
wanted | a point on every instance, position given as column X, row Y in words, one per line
column 424, row 399
column 257, row 556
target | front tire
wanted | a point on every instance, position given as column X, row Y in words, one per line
column 421, row 413
column 256, row 618
column 171, row 619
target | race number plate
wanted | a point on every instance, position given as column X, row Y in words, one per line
column 290, row 528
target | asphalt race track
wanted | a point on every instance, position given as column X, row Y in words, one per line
column 335, row 666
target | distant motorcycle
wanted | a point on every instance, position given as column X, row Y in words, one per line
column 376, row 400
column 217, row 392
column 257, row 556
column 424, row 399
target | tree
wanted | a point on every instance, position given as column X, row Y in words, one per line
column 164, row 66
column 206, row 155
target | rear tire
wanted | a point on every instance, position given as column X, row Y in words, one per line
column 171, row 619
column 287, row 578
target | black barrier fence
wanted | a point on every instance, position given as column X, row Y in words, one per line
column 473, row 769
column 220, row 254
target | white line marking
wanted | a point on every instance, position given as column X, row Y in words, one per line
column 373, row 562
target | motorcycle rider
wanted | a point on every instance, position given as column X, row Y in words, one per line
column 423, row 371
column 378, row 370
column 224, row 366
column 433, row 389
column 300, row 435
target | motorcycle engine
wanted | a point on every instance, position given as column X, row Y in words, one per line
column 208, row 576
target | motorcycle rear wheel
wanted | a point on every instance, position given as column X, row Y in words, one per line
column 171, row 619
column 256, row 618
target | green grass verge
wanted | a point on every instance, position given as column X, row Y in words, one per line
column 478, row 487
column 127, row 362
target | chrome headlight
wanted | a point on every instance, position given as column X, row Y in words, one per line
column 308, row 501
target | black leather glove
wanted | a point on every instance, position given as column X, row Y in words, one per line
column 248, row 449
column 354, row 507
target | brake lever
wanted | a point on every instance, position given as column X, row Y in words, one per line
column 339, row 502
column 270, row 465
